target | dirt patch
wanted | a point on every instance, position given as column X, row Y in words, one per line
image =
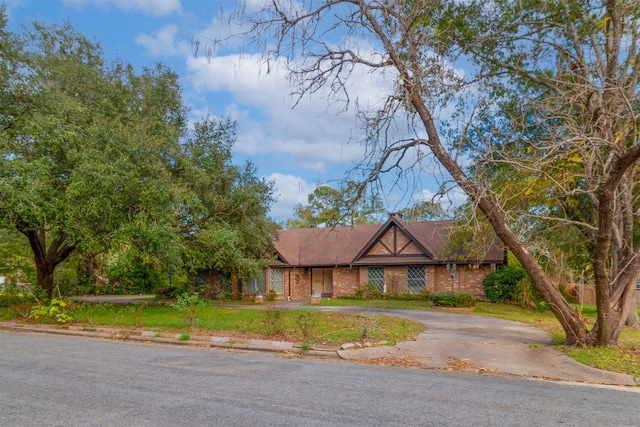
column 404, row 361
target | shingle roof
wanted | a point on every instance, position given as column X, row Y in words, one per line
column 344, row 246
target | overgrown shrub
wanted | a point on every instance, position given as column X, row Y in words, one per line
column 527, row 296
column 423, row 295
column 367, row 291
column 12, row 296
column 189, row 306
column 452, row 299
column 502, row 285
column 274, row 321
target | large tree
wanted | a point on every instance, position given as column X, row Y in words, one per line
column 223, row 217
column 330, row 207
column 570, row 68
column 96, row 156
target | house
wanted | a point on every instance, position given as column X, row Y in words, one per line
column 397, row 257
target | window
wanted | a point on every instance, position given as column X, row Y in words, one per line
column 257, row 284
column 225, row 283
column 376, row 277
column 415, row 279
column 277, row 280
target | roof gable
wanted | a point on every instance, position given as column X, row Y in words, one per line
column 394, row 242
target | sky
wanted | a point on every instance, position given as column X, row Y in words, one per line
column 296, row 146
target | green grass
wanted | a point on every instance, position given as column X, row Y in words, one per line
column 297, row 325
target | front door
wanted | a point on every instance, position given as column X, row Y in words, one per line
column 322, row 281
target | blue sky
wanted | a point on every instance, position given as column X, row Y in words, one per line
column 297, row 148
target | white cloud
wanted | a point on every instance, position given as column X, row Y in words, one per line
column 313, row 133
column 162, row 43
column 146, row 7
column 289, row 191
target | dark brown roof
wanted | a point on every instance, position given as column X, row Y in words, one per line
column 346, row 246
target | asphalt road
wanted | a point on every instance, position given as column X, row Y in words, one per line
column 71, row 381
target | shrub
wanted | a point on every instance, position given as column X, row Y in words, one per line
column 274, row 321
column 502, row 285
column 452, row 299
column 189, row 306
column 55, row 310
column 368, row 291
column 12, row 296
column 271, row 296
column 423, row 295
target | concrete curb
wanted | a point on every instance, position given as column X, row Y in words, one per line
column 176, row 339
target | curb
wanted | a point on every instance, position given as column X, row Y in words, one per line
column 176, row 339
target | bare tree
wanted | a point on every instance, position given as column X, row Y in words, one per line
column 574, row 67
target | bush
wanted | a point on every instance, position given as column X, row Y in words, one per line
column 12, row 296
column 452, row 299
column 189, row 306
column 502, row 285
column 368, row 291
column 423, row 295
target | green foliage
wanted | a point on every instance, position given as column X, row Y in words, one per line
column 425, row 210
column 135, row 276
column 96, row 158
column 55, row 310
column 306, row 325
column 502, row 285
column 367, row 291
column 452, row 299
column 330, row 207
column 189, row 306
column 13, row 295
column 274, row 321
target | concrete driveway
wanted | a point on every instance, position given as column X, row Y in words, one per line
column 485, row 344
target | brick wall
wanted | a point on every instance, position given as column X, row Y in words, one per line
column 467, row 279
column 298, row 282
column 346, row 281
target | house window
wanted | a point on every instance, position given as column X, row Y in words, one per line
column 277, row 280
column 225, row 283
column 376, row 277
column 415, row 279
column 257, row 284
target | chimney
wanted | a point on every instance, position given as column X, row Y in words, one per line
column 394, row 215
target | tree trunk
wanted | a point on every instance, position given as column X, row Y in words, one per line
column 47, row 259
column 574, row 326
column 44, row 279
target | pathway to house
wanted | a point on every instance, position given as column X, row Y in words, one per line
column 466, row 342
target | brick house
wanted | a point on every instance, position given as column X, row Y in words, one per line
column 396, row 257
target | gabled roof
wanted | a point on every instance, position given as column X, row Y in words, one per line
column 394, row 242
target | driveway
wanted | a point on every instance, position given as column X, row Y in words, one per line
column 484, row 344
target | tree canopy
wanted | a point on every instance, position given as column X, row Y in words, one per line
column 96, row 155
column 330, row 207
column 543, row 95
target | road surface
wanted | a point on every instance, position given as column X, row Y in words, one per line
column 72, row 381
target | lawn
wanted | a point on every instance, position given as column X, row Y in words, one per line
column 305, row 326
